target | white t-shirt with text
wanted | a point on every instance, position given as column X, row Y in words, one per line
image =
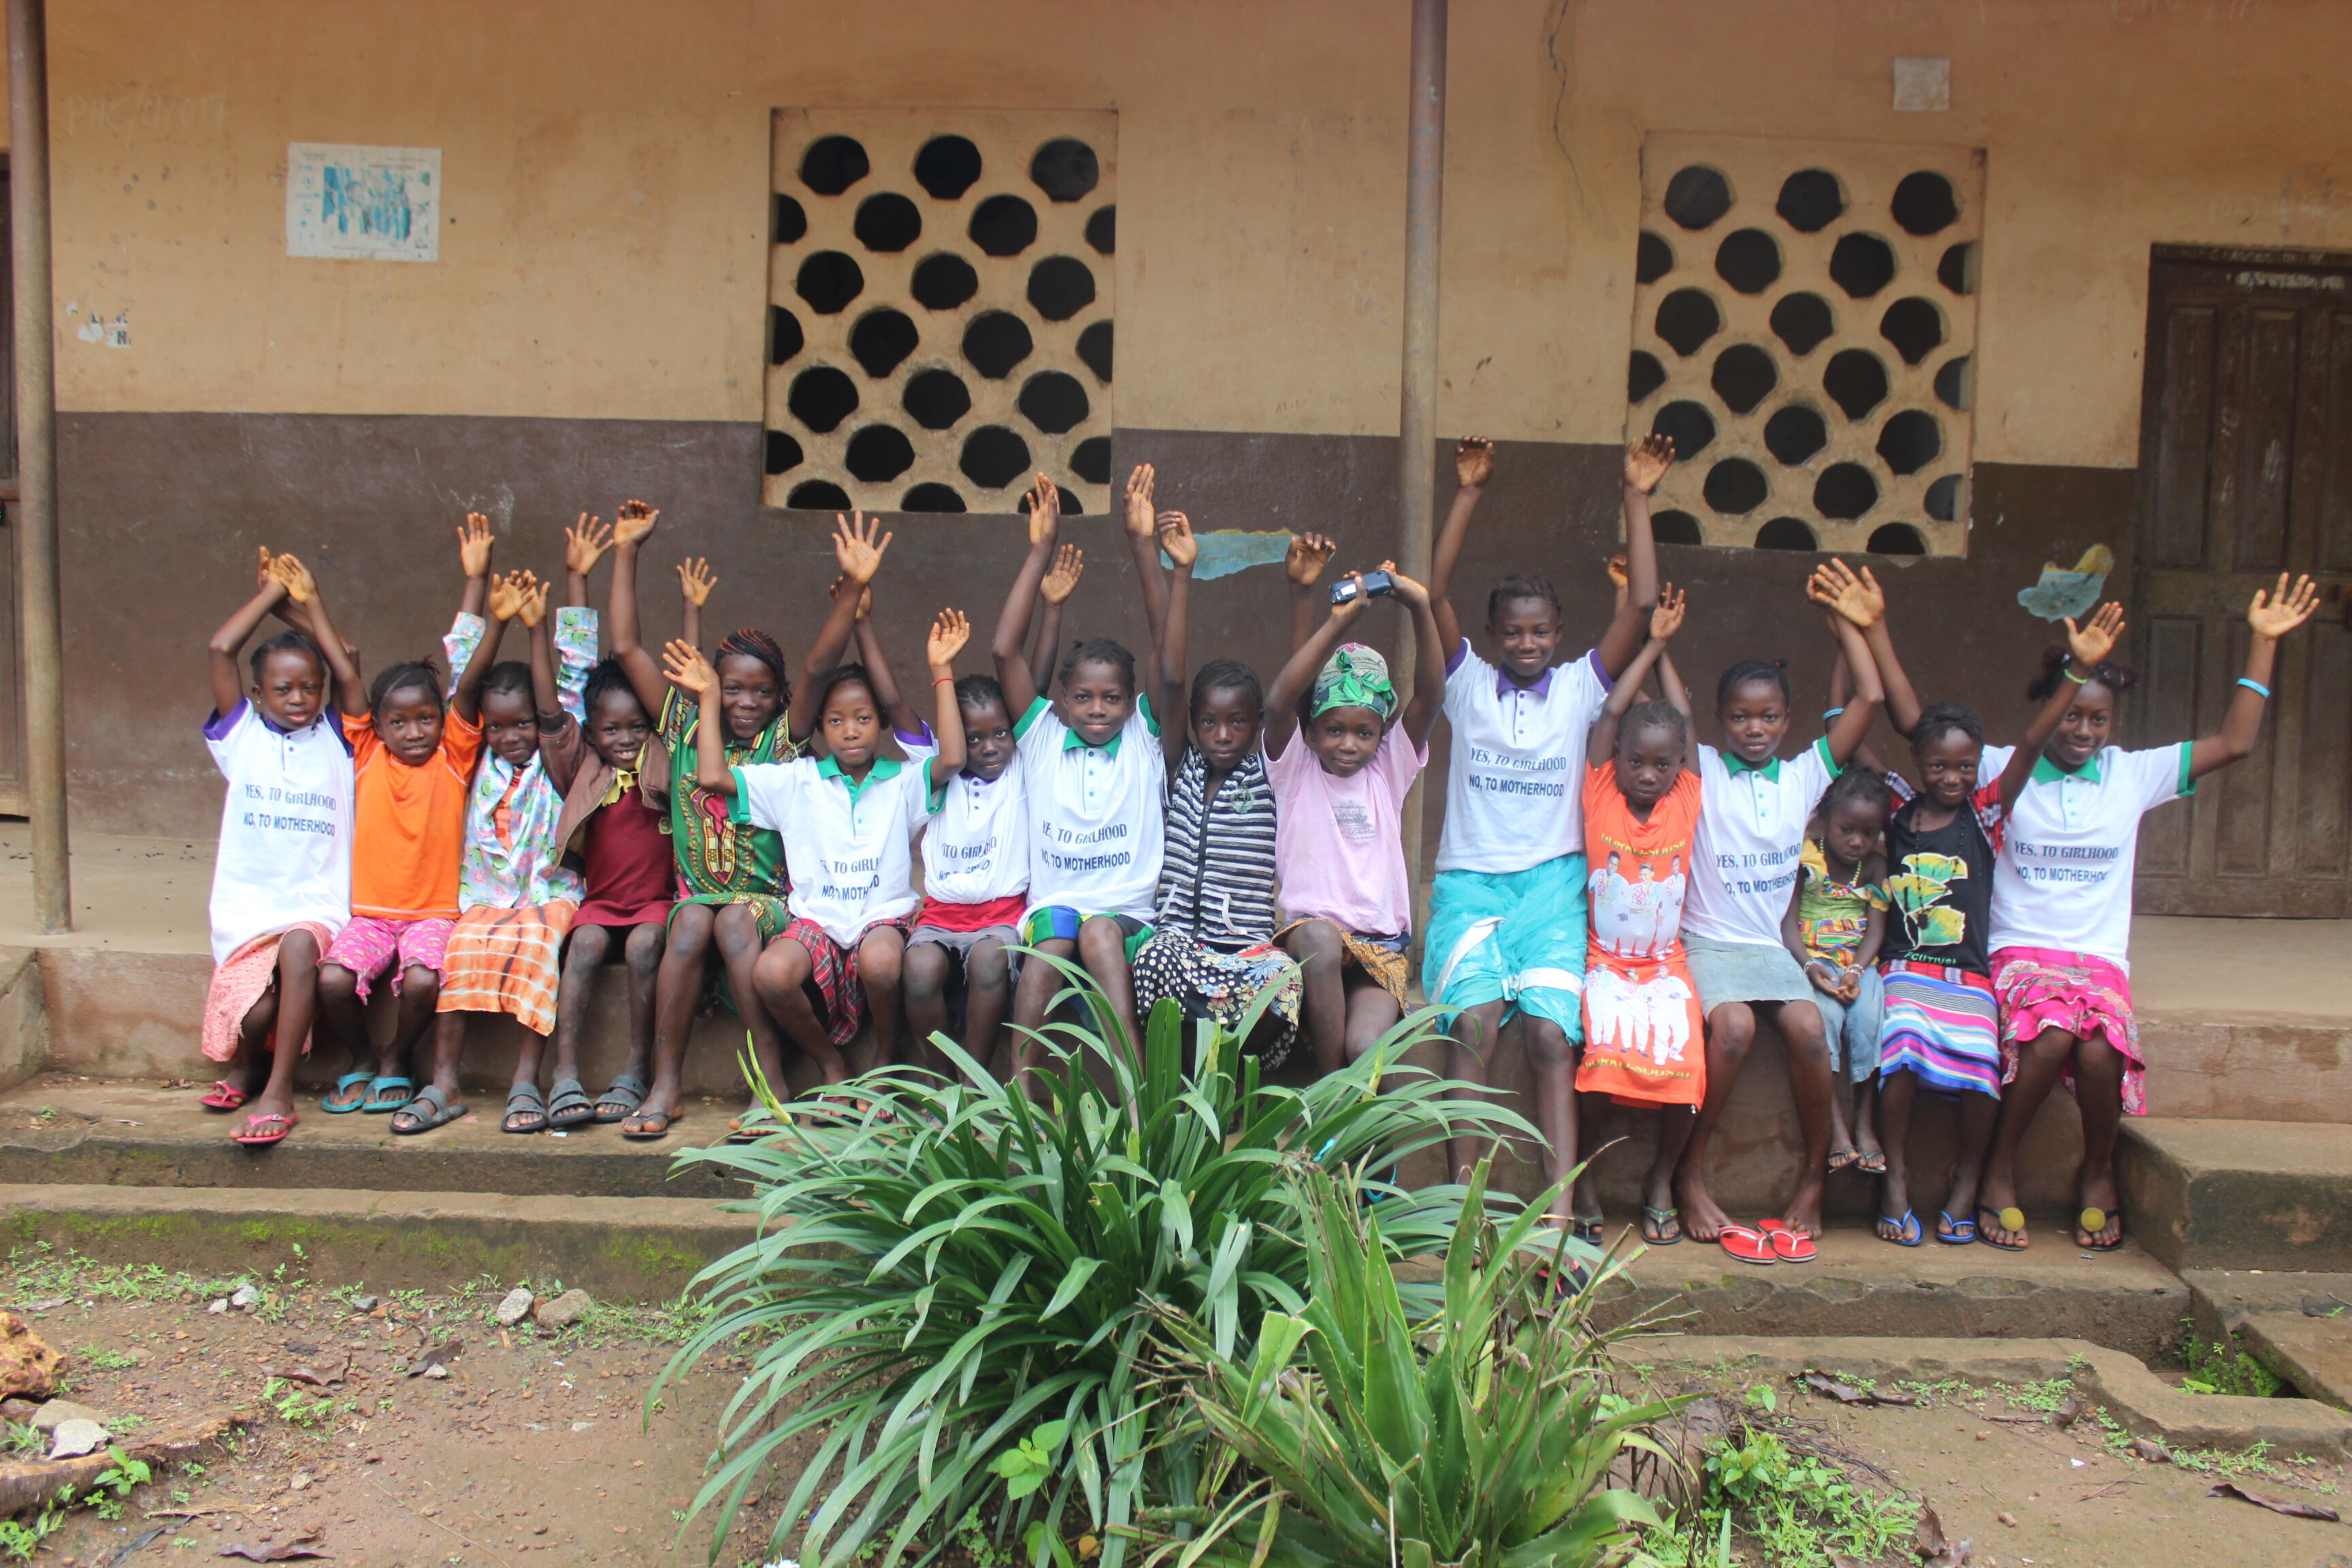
column 1098, row 815
column 976, row 850
column 285, row 850
column 849, row 846
column 1751, row 828
column 2063, row 880
column 1515, row 779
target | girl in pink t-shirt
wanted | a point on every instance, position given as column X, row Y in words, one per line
column 1339, row 833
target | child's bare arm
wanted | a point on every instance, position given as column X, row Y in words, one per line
column 857, row 548
column 685, row 667
column 1069, row 566
column 507, row 598
column 880, row 676
column 351, row 692
column 546, row 697
column 1853, row 610
column 1474, row 465
column 694, row 585
column 584, row 542
column 949, row 631
column 1012, row 623
column 1176, row 539
column 1671, row 680
column 286, row 609
column 1874, row 932
column 1647, row 462
column 1302, row 568
column 474, row 541
column 631, row 528
column 1663, row 621
column 1858, row 598
column 1306, row 662
column 1420, row 715
column 228, row 688
column 1793, row 937
column 1143, row 543
column 2271, row 616
column 2087, row 644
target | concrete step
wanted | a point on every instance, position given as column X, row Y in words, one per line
column 2239, row 1194
column 2313, row 1354
column 2298, row 1325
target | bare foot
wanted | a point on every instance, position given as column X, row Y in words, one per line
column 1804, row 1211
column 1703, row 1217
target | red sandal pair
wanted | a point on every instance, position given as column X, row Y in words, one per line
column 1768, row 1241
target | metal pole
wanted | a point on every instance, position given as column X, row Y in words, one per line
column 1424, row 203
column 36, row 461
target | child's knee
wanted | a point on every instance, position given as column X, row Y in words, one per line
column 585, row 949
column 781, row 967
column 924, row 973
column 736, row 929
column 986, row 969
column 880, row 959
column 298, row 953
column 1548, row 1046
column 643, row 950
column 420, row 984
column 336, row 984
column 1314, row 941
column 1732, row 1026
column 1102, row 943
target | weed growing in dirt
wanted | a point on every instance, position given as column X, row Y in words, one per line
column 40, row 1272
column 2047, row 1396
column 295, row 1405
column 105, row 1359
column 2221, row 1367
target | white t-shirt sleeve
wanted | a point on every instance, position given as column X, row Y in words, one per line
column 765, row 791
column 1462, row 675
column 222, row 733
column 2157, row 775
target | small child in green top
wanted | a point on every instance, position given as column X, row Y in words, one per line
column 1835, row 921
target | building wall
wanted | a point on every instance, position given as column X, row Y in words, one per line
column 593, row 329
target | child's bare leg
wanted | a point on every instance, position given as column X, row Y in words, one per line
column 1978, row 1112
column 642, row 955
column 780, row 977
column 1865, row 1117
column 1554, row 1060
column 1814, row 1084
column 248, row 1070
column 924, row 978
column 1040, row 983
column 2099, row 1088
column 584, row 954
column 420, row 993
column 881, row 955
column 1102, row 948
column 2041, row 1062
column 1730, row 1032
column 1372, row 1012
column 294, row 1002
column 529, row 1047
column 1896, row 1092
column 1321, row 956
column 342, row 1018
column 987, row 992
column 1590, row 1109
column 1476, row 1034
column 1675, row 1125
column 736, row 933
column 675, row 990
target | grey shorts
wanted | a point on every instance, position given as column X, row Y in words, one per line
column 1852, row 1028
column 961, row 942
column 1743, row 971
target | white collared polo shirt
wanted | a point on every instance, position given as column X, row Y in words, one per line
column 848, row 844
column 1098, row 815
column 1514, row 778
column 2064, row 876
column 1751, row 828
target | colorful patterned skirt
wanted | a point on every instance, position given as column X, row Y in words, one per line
column 2045, row 988
column 833, row 976
column 1942, row 1026
column 1209, row 983
column 240, row 982
column 505, row 961
column 1645, row 1039
column 1382, row 958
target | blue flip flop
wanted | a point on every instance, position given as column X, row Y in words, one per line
column 380, row 1104
column 327, row 1102
column 1910, row 1224
column 1963, row 1232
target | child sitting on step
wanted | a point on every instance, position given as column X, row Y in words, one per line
column 1836, row 921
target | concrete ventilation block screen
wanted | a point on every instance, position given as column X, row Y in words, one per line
column 1804, row 313
column 940, row 323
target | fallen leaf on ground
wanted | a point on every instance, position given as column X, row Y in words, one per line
column 1927, row 1536
column 439, row 1355
column 325, row 1376
column 290, row 1552
column 2154, row 1452
column 1846, row 1393
column 2286, row 1506
column 2067, row 1413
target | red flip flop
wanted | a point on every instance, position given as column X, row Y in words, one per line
column 252, row 1137
column 224, row 1095
column 1792, row 1246
column 1748, row 1246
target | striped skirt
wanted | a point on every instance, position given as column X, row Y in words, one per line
column 504, row 960
column 1942, row 1026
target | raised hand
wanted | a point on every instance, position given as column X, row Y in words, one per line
column 1835, row 586
column 1617, row 576
column 1667, row 616
column 262, row 576
column 841, row 586
column 1140, row 518
column 2087, row 644
column 585, row 544
column 1061, row 579
column 1348, row 609
column 533, row 607
column 1175, row 532
column 1412, row 595
column 1474, row 462
column 686, row 668
column 1044, row 504
column 508, row 593
column 695, row 580
column 2278, row 612
column 633, row 522
column 294, row 577
column 857, row 547
column 1647, row 460
column 949, row 631
column 474, row 541
column 1308, row 554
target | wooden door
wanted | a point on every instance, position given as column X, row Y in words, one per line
column 11, row 695
column 2245, row 472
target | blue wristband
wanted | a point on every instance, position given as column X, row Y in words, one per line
column 1832, row 715
column 2256, row 687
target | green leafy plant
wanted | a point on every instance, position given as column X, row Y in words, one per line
column 295, row 1405
column 1804, row 1511
column 1479, row 1435
column 1025, row 1465
column 106, row 1360
column 2221, row 1367
column 115, row 1483
column 948, row 1264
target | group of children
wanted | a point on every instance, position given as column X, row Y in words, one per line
column 1612, row 898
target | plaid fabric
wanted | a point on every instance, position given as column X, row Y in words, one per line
column 504, row 960
column 833, row 970
column 370, row 944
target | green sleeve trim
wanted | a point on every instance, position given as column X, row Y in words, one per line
column 1829, row 761
column 1037, row 706
column 1143, row 706
column 739, row 809
column 2187, row 754
column 934, row 794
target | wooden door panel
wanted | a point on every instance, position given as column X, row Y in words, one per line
column 2184, row 437
column 2166, row 711
column 2334, row 524
column 2265, row 440
column 2325, row 752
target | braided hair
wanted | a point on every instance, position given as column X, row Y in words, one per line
column 751, row 642
column 1940, row 719
column 1768, row 672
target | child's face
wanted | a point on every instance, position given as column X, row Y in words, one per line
column 1948, row 768
column 1096, row 701
column 1225, row 726
column 617, row 728
column 1853, row 826
column 988, row 748
column 1649, row 759
column 2086, row 729
column 850, row 723
column 511, row 727
column 748, row 696
column 1345, row 739
column 1527, row 636
column 291, row 691
column 408, row 722
column 1755, row 717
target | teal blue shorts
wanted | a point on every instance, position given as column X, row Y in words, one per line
column 1516, row 937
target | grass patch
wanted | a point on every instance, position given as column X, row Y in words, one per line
column 2221, row 1367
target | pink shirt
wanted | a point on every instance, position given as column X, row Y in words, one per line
column 1339, row 843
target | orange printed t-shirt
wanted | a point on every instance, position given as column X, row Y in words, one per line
column 409, row 824
column 1644, row 1033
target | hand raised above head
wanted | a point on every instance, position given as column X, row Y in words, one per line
column 585, row 544
column 633, row 522
column 1308, row 555
column 1666, row 615
column 2088, row 644
column 1175, row 532
column 1043, row 501
column 474, row 541
column 1061, row 579
column 294, row 577
column 688, row 670
column 2279, row 611
column 1836, row 588
column 1474, row 462
column 1348, row 609
column 857, row 546
column 1139, row 516
column 695, row 580
column 1647, row 460
column 508, row 593
column 533, row 607
column 1618, row 572
column 1412, row 595
column 949, row 631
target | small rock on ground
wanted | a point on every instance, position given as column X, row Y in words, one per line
column 245, row 1299
column 564, row 1311
column 28, row 1364
column 516, row 1306
column 57, row 1412
column 74, row 1438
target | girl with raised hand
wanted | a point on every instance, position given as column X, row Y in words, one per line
column 2062, row 898
column 282, row 874
column 1097, row 785
column 1504, row 942
column 1342, row 755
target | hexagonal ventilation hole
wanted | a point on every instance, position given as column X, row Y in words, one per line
column 817, row 495
column 993, row 456
column 1676, row 528
column 881, row 341
column 1060, row 286
column 1070, row 505
column 1914, row 326
column 1794, row 433
column 1802, row 321
column 1897, row 539
column 1653, row 257
column 1748, row 260
column 833, row 163
column 1090, row 460
column 1054, row 402
column 1643, row 376
column 789, row 225
column 1687, row 318
column 1744, row 377
column 1944, row 498
column 822, row 397
column 1697, row 196
column 1955, row 384
column 997, row 342
column 1862, row 264
column 1102, row 230
column 1734, row 486
column 1786, row 533
column 1844, row 491
column 784, row 454
column 1958, row 270
column 1689, row 425
column 946, row 167
column 877, row 453
column 935, row 399
column 1856, row 382
column 943, row 283
column 1924, row 202
column 1094, row 351
column 1065, row 169
column 887, row 223
column 1910, row 441
column 931, row 496
column 1003, row 226
column 1810, row 200
column 828, row 281
column 784, row 338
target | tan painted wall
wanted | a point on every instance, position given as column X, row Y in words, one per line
column 605, row 163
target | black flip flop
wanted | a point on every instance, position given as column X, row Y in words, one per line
column 628, row 1092
column 1658, row 1219
column 1984, row 1231
column 438, row 1112
column 568, row 1105
column 2104, row 1215
column 651, row 1125
column 524, row 1099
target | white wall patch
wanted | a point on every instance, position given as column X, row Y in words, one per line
column 1923, row 84
column 367, row 204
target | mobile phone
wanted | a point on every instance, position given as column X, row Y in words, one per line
column 1375, row 584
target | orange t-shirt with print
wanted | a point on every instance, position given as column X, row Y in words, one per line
column 409, row 824
column 1645, row 1040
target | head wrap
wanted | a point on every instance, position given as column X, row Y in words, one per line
column 1354, row 676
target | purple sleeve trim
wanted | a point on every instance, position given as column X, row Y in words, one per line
column 1601, row 672
column 217, row 727
column 333, row 719
column 920, row 735
column 1460, row 652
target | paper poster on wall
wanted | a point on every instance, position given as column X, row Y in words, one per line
column 369, row 203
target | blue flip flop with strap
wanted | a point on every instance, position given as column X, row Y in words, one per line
column 1956, row 1232
column 382, row 1103
column 348, row 1080
column 1909, row 1225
